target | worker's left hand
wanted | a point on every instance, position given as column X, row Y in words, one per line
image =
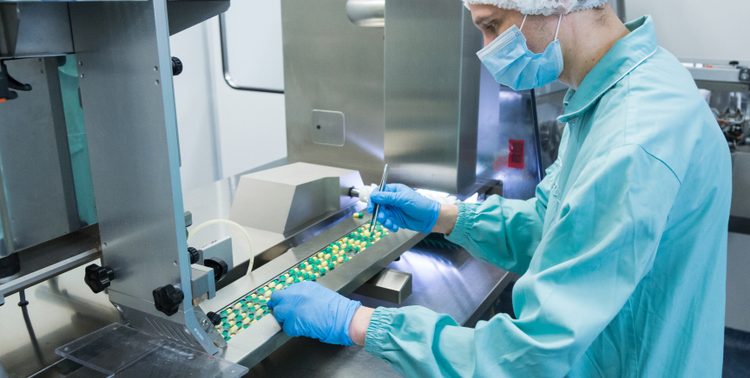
column 311, row 310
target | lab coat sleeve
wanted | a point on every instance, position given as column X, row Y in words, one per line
column 587, row 265
column 504, row 232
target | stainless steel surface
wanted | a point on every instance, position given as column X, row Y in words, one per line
column 36, row 204
column 334, row 66
column 328, row 128
column 34, row 29
column 60, row 309
column 123, row 54
column 389, row 285
column 263, row 337
column 285, row 199
column 184, row 14
column 52, row 258
column 445, row 279
column 366, row 13
column 417, row 113
column 719, row 74
column 376, row 210
column 431, row 97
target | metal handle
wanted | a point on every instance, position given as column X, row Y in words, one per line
column 366, row 13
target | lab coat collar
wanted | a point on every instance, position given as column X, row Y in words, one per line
column 626, row 54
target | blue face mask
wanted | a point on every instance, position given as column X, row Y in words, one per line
column 512, row 64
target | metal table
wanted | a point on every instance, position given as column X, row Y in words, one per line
column 445, row 279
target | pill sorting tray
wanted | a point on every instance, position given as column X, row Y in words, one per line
column 341, row 256
column 253, row 306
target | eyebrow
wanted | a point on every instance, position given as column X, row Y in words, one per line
column 486, row 19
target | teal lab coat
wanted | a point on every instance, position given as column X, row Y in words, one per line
column 622, row 251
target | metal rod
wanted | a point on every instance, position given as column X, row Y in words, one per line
column 376, row 208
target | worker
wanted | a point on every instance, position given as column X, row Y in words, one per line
column 622, row 252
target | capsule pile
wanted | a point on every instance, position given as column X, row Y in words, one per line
column 253, row 306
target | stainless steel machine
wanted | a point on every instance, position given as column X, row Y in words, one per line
column 124, row 69
column 377, row 82
column 399, row 83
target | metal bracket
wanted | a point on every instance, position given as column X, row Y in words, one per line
column 221, row 249
column 744, row 76
column 389, row 285
column 203, row 281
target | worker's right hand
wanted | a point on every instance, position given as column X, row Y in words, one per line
column 402, row 207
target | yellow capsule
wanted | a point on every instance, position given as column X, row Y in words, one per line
column 308, row 267
column 335, row 248
column 233, row 330
column 334, row 263
column 231, row 316
column 259, row 313
column 320, row 255
column 267, row 294
column 340, row 259
column 279, row 286
column 327, row 256
column 289, row 281
column 246, row 320
column 317, row 275
column 253, row 295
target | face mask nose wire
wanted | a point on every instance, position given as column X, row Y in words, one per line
column 523, row 22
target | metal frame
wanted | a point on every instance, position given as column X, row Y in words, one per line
column 225, row 63
column 126, row 88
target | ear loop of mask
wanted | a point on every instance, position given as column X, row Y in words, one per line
column 557, row 31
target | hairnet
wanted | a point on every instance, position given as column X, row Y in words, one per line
column 543, row 7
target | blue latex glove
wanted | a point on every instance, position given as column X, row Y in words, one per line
column 402, row 207
column 311, row 310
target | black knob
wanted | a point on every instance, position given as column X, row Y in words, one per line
column 195, row 255
column 167, row 299
column 98, row 277
column 218, row 265
column 176, row 66
column 214, row 318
